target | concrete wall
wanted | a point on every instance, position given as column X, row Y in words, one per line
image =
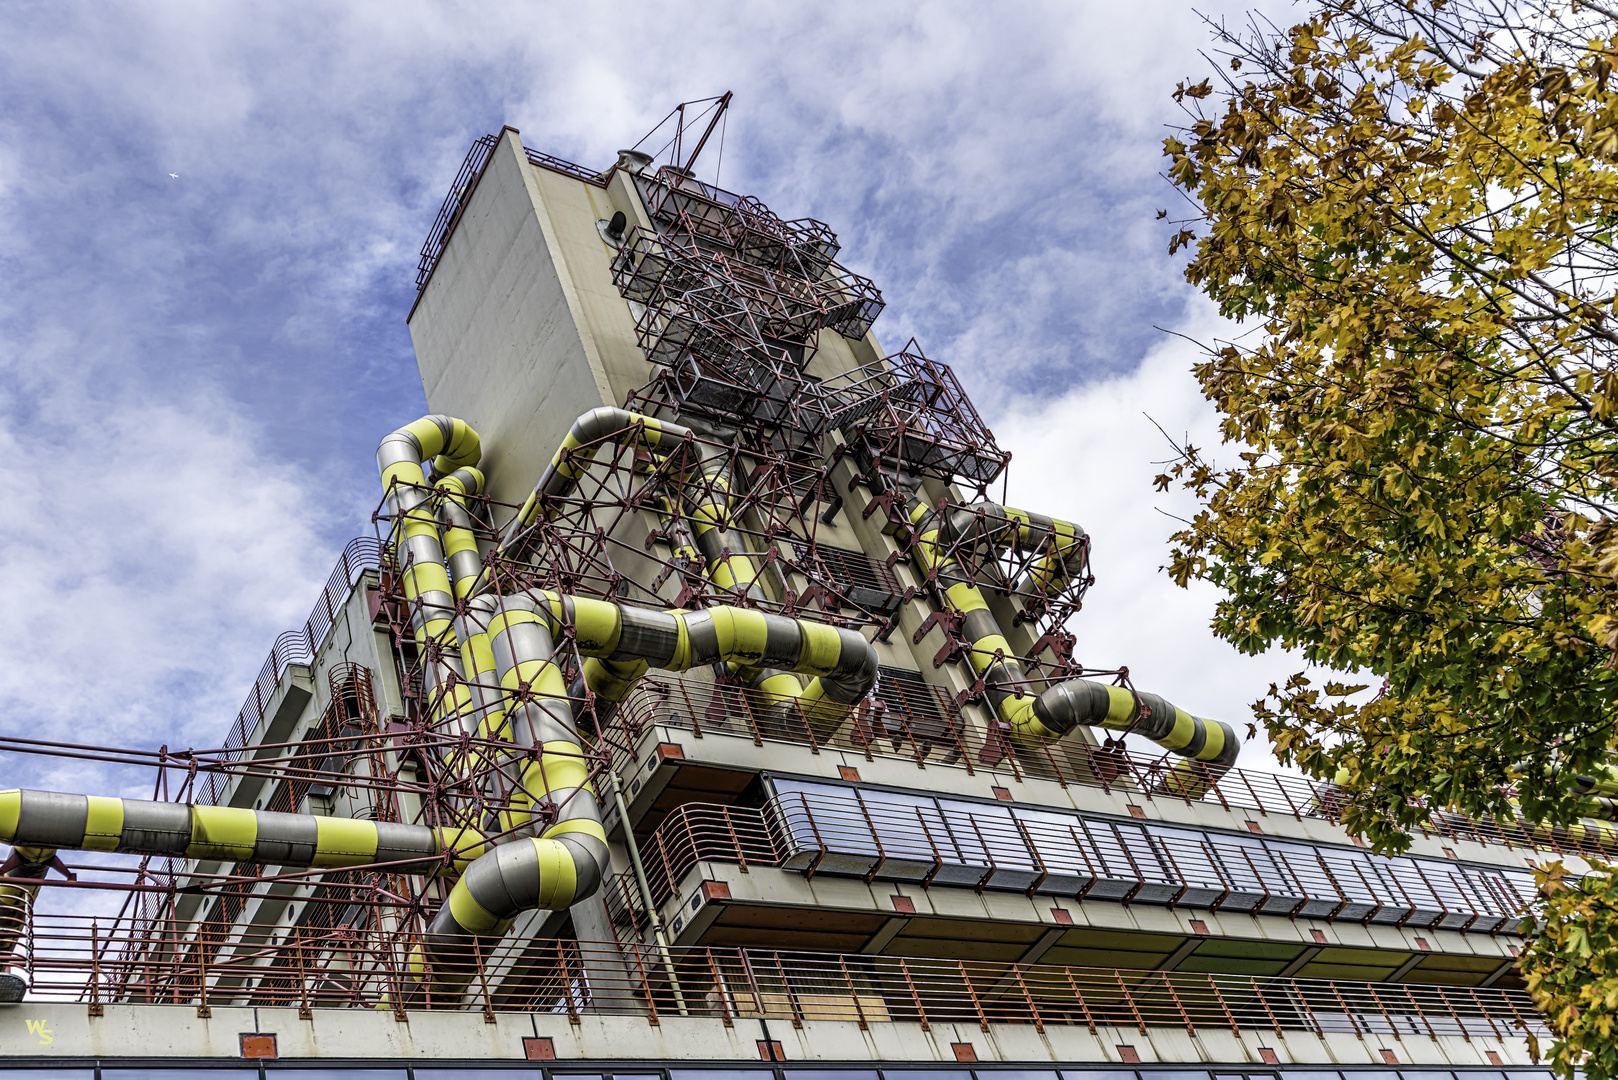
column 498, row 333
column 60, row 1034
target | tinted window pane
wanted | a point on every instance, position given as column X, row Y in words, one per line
column 48, row 1074
column 1061, row 843
column 1014, row 1074
column 909, row 826
column 721, row 1074
column 180, row 1074
column 1096, row 1074
column 926, row 1074
column 984, row 833
column 830, row 1074
column 1174, row 1076
column 346, row 1074
column 816, row 815
column 435, row 1074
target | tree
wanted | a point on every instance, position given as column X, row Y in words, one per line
column 1413, row 208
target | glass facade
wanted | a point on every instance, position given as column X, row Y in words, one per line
column 516, row 1070
column 905, row 836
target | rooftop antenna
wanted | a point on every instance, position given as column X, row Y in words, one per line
column 676, row 144
column 719, row 111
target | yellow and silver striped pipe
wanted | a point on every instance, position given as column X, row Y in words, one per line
column 993, row 528
column 450, row 444
column 54, row 820
column 454, row 449
column 734, row 571
column 568, row 861
column 460, row 541
column 572, row 459
column 1060, row 708
column 16, row 899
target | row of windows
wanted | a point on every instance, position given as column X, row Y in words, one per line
column 518, row 1071
column 903, row 836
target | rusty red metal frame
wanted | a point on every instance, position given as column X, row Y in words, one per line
column 336, row 967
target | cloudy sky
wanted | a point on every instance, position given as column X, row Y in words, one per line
column 210, row 216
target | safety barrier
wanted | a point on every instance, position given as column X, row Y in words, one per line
column 920, row 722
column 71, row 959
column 822, row 829
column 293, row 647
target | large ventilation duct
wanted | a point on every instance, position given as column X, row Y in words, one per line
column 562, row 865
column 450, row 444
column 48, row 819
column 566, row 862
column 460, row 541
column 15, row 901
column 454, row 449
column 572, row 459
column 1060, row 708
column 709, row 514
column 992, row 528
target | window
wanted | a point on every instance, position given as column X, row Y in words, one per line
column 988, row 836
column 909, row 827
column 916, row 712
column 851, row 577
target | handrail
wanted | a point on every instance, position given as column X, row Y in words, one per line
column 334, row 968
column 293, row 647
column 1074, row 855
column 932, row 730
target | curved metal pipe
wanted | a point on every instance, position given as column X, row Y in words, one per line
column 573, row 458
column 16, row 899
column 567, row 861
column 460, row 541
column 1066, row 544
column 1062, row 707
column 450, row 444
column 454, row 448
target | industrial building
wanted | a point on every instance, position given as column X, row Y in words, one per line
column 696, row 709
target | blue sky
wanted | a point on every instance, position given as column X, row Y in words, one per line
column 209, row 223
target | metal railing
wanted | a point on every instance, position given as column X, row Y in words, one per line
column 72, row 960
column 293, row 647
column 449, row 213
column 947, row 843
column 927, row 726
column 922, row 723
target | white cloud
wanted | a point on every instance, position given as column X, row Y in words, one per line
column 160, row 548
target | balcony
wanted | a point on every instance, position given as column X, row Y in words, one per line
column 909, row 719
column 822, row 829
column 68, row 960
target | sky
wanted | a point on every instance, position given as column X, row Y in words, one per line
column 211, row 214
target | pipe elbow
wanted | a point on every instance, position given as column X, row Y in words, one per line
column 468, row 480
column 601, row 422
column 855, row 672
column 1065, row 706
column 540, row 873
column 449, row 443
